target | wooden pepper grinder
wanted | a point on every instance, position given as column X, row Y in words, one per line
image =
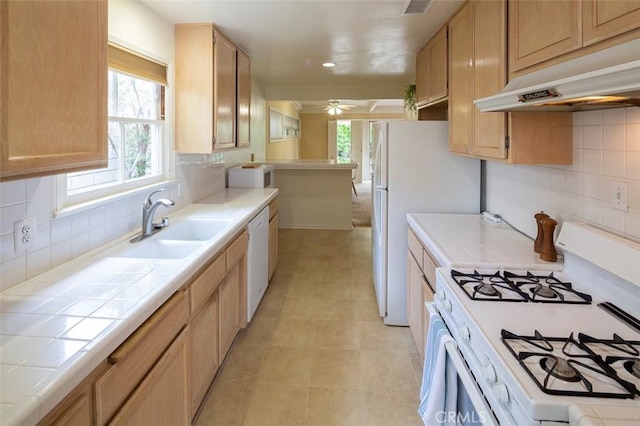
column 537, row 245
column 548, row 250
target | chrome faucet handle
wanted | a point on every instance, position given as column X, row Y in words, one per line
column 147, row 201
column 162, row 224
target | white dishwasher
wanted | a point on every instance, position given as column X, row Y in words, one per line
column 257, row 260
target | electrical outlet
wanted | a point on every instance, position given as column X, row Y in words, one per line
column 619, row 196
column 24, row 234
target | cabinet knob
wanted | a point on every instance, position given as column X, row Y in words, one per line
column 501, row 393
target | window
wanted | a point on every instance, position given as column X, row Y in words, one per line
column 135, row 131
column 344, row 141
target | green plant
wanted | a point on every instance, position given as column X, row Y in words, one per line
column 410, row 97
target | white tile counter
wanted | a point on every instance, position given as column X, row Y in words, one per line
column 311, row 164
column 471, row 241
column 57, row 327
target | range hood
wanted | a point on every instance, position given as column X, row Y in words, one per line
column 609, row 78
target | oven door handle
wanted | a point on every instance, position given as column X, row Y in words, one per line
column 474, row 392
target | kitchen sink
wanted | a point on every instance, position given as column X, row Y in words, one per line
column 159, row 249
column 193, row 229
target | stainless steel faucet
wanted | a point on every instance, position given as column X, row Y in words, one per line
column 148, row 209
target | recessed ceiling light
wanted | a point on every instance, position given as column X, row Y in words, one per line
column 328, row 64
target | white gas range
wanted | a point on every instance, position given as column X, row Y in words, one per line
column 538, row 344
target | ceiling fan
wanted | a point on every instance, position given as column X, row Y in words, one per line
column 335, row 108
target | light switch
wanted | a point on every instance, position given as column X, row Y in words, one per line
column 619, row 196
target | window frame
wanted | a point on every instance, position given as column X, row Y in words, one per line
column 67, row 204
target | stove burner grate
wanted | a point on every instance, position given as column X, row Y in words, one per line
column 492, row 287
column 547, row 288
column 578, row 364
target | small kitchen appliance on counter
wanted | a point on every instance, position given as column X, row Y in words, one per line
column 251, row 176
column 538, row 343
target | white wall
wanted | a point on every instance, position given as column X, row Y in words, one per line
column 606, row 148
column 63, row 238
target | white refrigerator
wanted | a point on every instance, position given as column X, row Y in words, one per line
column 414, row 172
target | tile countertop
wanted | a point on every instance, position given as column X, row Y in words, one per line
column 311, row 165
column 57, row 327
column 472, row 241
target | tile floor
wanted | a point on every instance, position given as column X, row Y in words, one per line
column 317, row 352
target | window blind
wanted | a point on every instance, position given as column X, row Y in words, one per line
column 128, row 62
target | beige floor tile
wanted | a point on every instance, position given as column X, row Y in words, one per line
column 375, row 336
column 294, row 332
column 336, row 334
column 277, row 405
column 317, row 351
column 335, row 407
column 243, row 364
column 387, row 370
column 392, row 407
column 286, row 365
column 226, row 406
column 337, row 369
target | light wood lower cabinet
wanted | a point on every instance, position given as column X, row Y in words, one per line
column 162, row 397
column 273, row 237
column 162, row 372
column 421, row 280
column 203, row 341
column 229, row 297
column 133, row 361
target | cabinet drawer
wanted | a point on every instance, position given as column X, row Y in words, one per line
column 207, row 282
column 237, row 249
column 415, row 248
column 136, row 356
column 429, row 269
column 273, row 208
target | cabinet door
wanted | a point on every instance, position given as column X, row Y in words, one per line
column 224, row 88
column 162, row 397
column 53, row 80
column 541, row 30
column 415, row 307
column 603, row 19
column 489, row 77
column 437, row 84
column 203, row 348
column 194, row 88
column 229, row 312
column 80, row 413
column 244, row 99
column 460, row 81
column 422, row 75
column 273, row 245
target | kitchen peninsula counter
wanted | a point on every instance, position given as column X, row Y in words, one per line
column 313, row 194
column 57, row 327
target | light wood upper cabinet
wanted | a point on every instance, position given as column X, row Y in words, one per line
column 554, row 31
column 431, row 69
column 209, row 91
column 53, row 85
column 603, row 19
column 460, row 80
column 489, row 76
column 477, row 51
column 541, row 30
column 244, row 99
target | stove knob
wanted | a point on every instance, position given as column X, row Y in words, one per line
column 440, row 296
column 446, row 305
column 501, row 393
column 489, row 373
column 463, row 331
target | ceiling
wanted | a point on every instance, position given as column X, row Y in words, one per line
column 371, row 42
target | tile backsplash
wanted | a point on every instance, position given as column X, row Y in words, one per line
column 61, row 239
column 606, row 149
